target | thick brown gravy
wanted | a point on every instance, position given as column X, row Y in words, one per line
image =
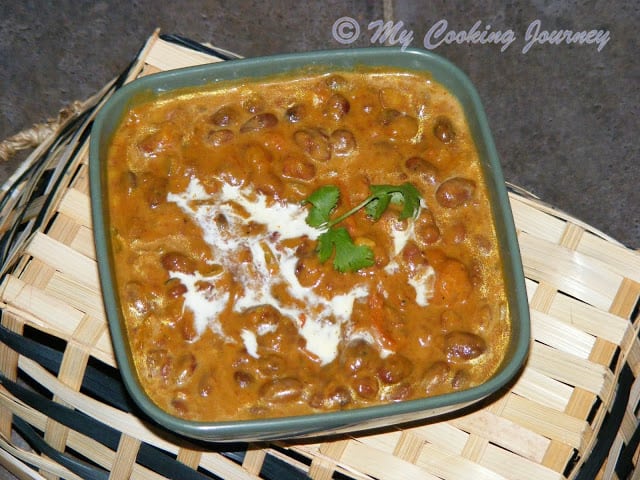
column 230, row 312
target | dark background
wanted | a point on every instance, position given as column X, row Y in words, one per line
column 564, row 117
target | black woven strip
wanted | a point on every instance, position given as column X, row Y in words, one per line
column 73, row 419
column 46, row 356
column 86, row 130
column 35, row 171
column 625, row 466
column 193, row 45
column 148, row 456
column 80, row 468
column 609, row 429
column 275, row 468
column 99, row 384
column 167, row 466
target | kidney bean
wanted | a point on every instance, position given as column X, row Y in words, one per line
column 338, row 396
column 180, row 404
column 394, row 369
column 342, row 142
column 137, row 299
column 295, row 167
column 427, row 234
column 359, row 357
column 455, row 192
column 130, row 181
column 268, row 184
column 284, row 337
column 221, row 221
column 317, row 400
column 422, row 168
column 174, row 288
column 483, row 244
column 304, row 248
column 460, row 380
column 184, row 367
column 452, row 283
column 456, row 234
column 159, row 363
column 253, row 103
column 177, row 262
column 204, row 286
column 263, row 316
column 400, row 392
column 188, row 328
column 463, row 346
column 219, row 137
column 483, row 319
column 412, row 256
column 336, row 82
column 426, row 230
column 243, row 379
column 242, row 359
column 437, row 374
column 337, row 106
column 295, row 113
column 270, row 365
column 155, row 143
column 314, row 143
column 331, row 397
column 258, row 157
column 388, row 115
column 366, row 387
column 443, row 130
column 225, row 117
column 309, row 271
column 393, row 98
column 258, row 122
column 206, row 385
column 155, row 189
column 476, row 273
column 282, row 390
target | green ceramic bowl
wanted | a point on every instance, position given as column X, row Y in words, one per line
column 326, row 423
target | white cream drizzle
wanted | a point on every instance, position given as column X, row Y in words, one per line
column 319, row 320
column 320, row 324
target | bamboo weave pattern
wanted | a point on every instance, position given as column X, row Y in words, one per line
column 61, row 393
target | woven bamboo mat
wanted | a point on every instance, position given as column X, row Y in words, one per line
column 572, row 413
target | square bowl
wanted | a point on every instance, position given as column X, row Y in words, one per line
column 342, row 421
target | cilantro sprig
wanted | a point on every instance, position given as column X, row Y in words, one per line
column 350, row 257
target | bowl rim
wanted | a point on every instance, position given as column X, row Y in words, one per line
column 354, row 419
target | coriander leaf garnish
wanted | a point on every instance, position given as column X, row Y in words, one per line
column 323, row 201
column 405, row 194
column 349, row 256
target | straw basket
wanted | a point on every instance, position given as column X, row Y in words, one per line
column 572, row 413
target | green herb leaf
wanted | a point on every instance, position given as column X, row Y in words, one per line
column 323, row 201
column 405, row 194
column 349, row 257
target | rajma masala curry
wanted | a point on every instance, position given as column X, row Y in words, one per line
column 304, row 244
